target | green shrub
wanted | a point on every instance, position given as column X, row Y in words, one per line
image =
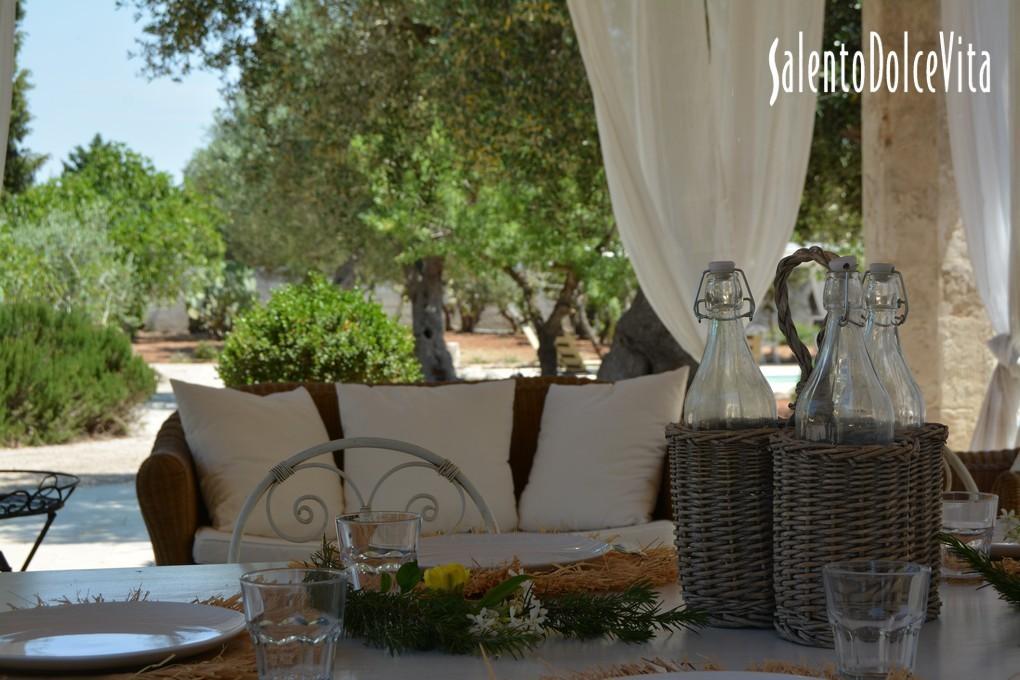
column 229, row 292
column 62, row 376
column 205, row 351
column 69, row 262
column 314, row 331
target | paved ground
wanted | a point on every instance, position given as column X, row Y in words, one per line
column 100, row 526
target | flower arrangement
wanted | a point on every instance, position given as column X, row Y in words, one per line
column 420, row 610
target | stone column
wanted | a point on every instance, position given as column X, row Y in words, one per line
column 911, row 218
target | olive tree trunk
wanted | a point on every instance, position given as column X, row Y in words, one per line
column 642, row 345
column 424, row 285
column 550, row 327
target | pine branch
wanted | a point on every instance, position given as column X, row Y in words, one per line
column 1007, row 584
column 634, row 615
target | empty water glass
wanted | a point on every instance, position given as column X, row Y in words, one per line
column 876, row 610
column 295, row 617
column 969, row 517
column 374, row 544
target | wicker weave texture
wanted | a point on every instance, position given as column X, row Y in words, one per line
column 927, row 506
column 721, row 490
column 836, row 503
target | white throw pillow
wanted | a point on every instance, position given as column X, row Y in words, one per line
column 468, row 424
column 600, row 453
column 236, row 438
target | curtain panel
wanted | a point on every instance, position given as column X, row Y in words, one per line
column 980, row 143
column 700, row 167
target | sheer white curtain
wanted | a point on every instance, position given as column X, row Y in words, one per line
column 7, row 17
column 979, row 136
column 700, row 167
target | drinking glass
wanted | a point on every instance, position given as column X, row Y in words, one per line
column 295, row 617
column 876, row 609
column 376, row 542
column 969, row 517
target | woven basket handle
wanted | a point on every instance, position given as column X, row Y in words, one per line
column 782, row 295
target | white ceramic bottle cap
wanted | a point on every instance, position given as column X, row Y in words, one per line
column 722, row 267
column 881, row 268
column 840, row 264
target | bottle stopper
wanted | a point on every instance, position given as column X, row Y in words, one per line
column 722, row 267
column 881, row 268
column 841, row 264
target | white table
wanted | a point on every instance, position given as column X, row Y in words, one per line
column 978, row 635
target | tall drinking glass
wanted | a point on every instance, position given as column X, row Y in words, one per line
column 969, row 517
column 374, row 542
column 295, row 617
column 876, row 610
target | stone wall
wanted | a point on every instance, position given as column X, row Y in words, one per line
column 911, row 218
column 963, row 330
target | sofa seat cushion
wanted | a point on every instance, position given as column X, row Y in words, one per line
column 211, row 546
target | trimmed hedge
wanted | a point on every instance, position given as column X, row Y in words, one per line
column 61, row 376
column 314, row 331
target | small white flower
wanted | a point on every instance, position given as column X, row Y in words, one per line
column 484, row 622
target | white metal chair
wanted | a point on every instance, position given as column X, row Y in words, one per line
column 304, row 513
column 951, row 464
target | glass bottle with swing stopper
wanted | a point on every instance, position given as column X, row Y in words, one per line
column 843, row 401
column 885, row 295
column 729, row 390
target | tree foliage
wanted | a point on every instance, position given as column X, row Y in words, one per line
column 164, row 233
column 830, row 208
column 20, row 164
column 388, row 132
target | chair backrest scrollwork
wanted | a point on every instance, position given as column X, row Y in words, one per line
column 303, row 505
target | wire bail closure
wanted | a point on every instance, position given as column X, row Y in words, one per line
column 901, row 302
column 698, row 300
column 844, row 317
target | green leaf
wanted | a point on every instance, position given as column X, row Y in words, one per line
column 497, row 594
column 408, row 576
column 385, row 582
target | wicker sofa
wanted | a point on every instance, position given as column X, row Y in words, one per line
column 167, row 484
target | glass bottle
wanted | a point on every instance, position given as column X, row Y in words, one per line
column 729, row 390
column 884, row 294
column 843, row 401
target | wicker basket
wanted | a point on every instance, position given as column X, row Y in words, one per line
column 721, row 489
column 834, row 503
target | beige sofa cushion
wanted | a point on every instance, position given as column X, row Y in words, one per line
column 236, row 438
column 600, row 453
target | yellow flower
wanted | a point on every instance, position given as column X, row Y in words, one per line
column 446, row 576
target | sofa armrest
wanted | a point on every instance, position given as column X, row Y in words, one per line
column 168, row 495
column 1007, row 486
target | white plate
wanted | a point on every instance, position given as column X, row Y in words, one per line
column 494, row 550
column 718, row 675
column 106, row 635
